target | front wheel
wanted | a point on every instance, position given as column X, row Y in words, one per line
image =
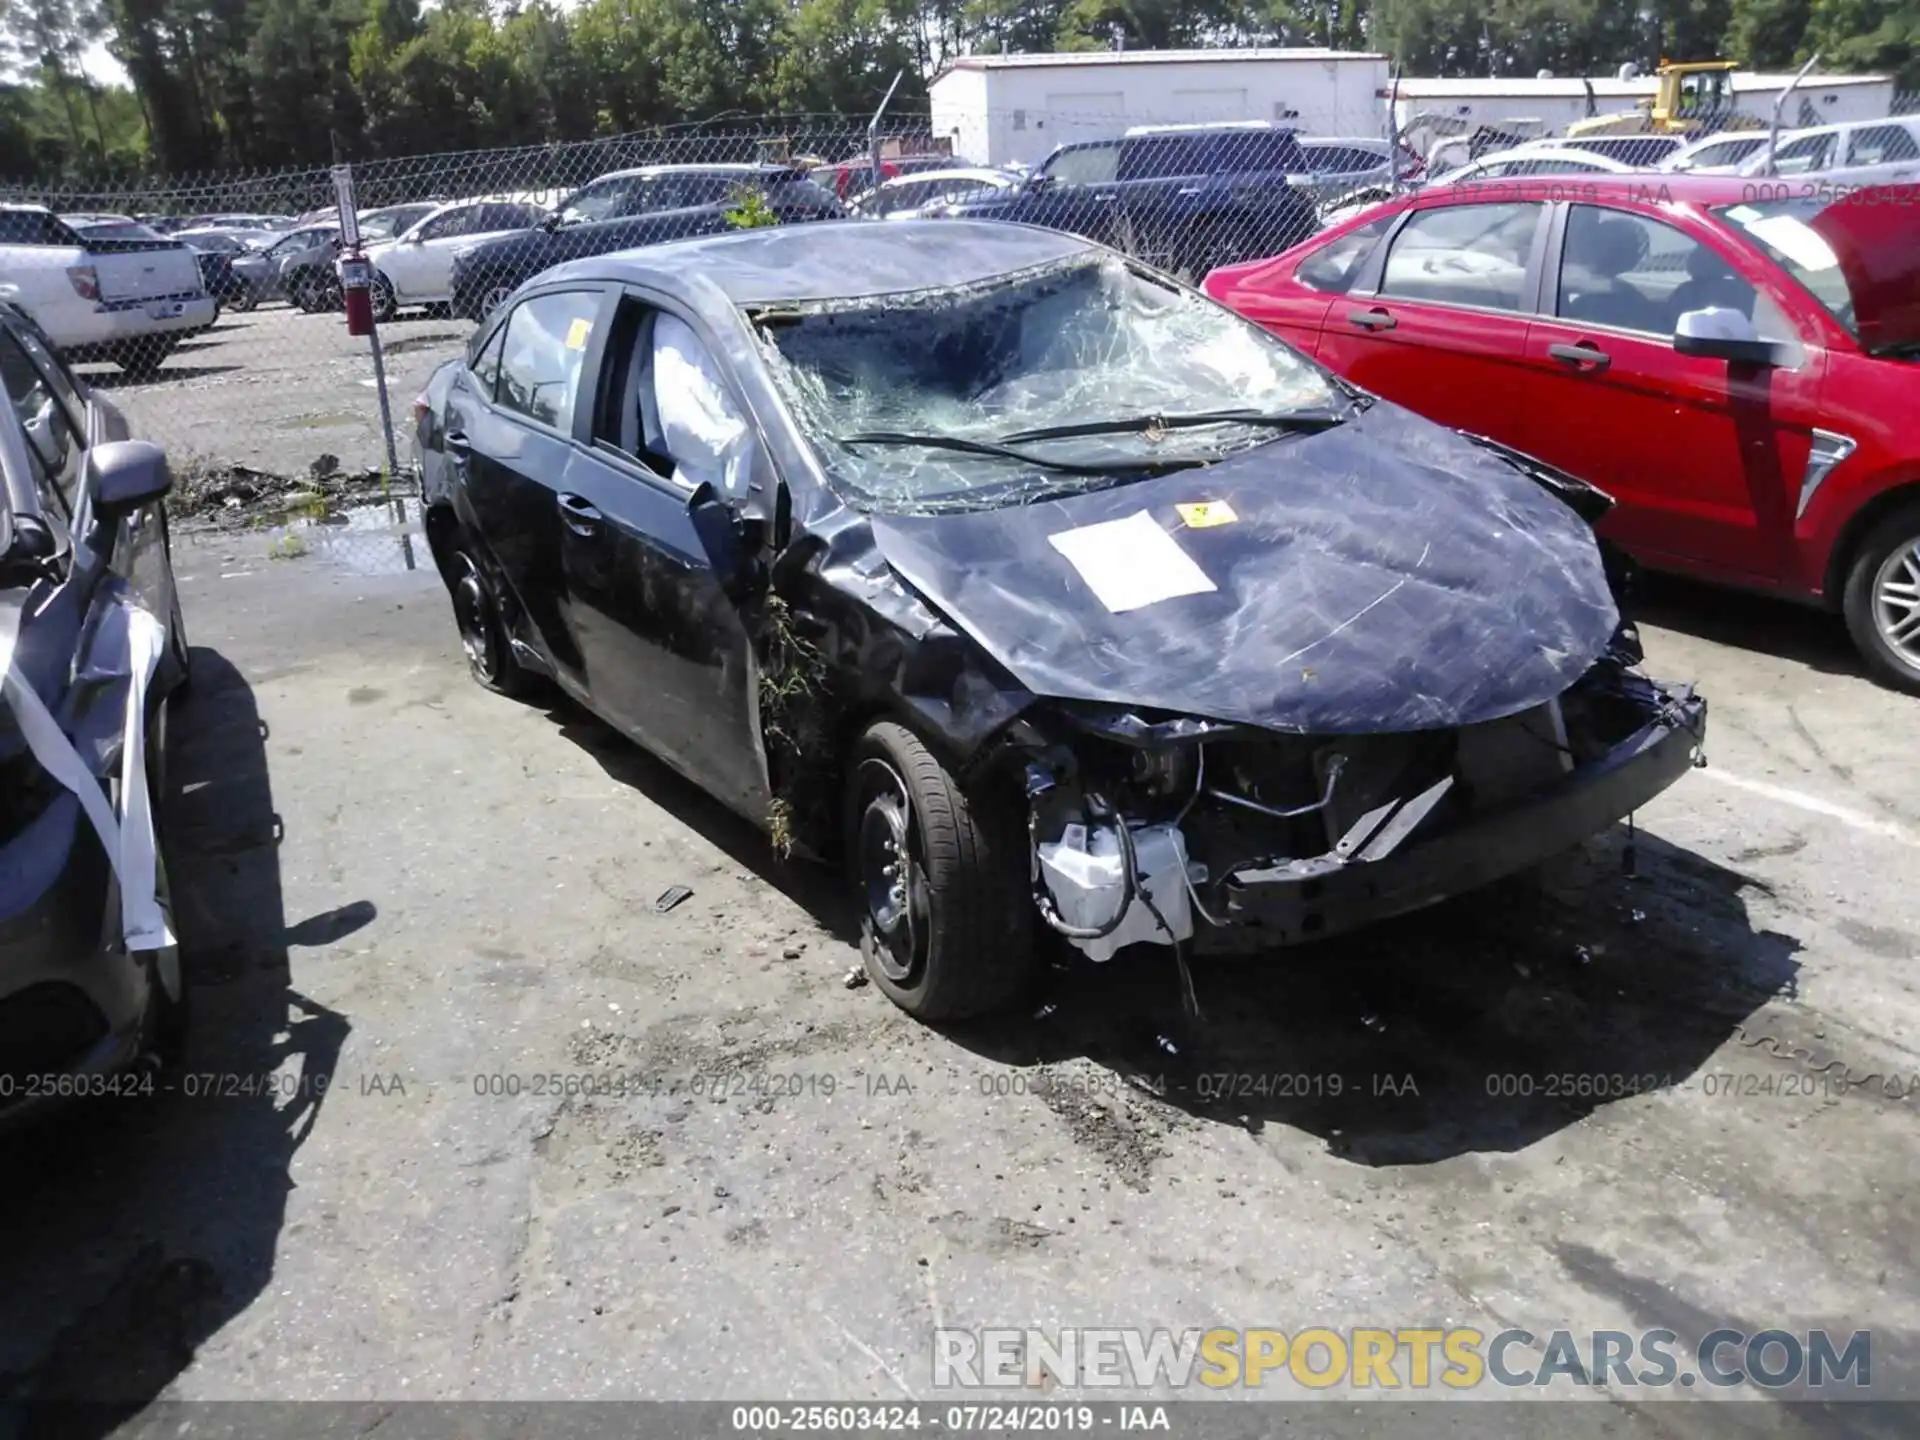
column 947, row 928
column 1882, row 600
column 243, row 299
column 385, row 303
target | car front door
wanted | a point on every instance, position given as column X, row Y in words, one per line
column 651, row 563
column 1705, row 458
column 421, row 267
column 510, row 433
column 1437, row 320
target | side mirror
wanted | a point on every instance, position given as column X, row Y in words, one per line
column 123, row 475
column 1039, row 180
column 1718, row 334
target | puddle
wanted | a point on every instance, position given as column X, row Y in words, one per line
column 385, row 538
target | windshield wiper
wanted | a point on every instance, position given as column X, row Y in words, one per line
column 1305, row 422
column 1007, row 452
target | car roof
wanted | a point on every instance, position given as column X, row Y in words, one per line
column 833, row 259
column 719, row 167
column 958, row 172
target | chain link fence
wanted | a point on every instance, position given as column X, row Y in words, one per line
column 231, row 348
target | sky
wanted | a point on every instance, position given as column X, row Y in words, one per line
column 102, row 67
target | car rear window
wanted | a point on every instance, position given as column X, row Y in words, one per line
column 35, row 227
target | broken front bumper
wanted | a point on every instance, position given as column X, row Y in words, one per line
column 1262, row 906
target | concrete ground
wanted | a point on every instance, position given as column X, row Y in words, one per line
column 305, row 386
column 426, row 897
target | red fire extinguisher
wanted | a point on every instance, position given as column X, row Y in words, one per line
column 356, row 286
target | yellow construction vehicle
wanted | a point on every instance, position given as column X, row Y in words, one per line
column 1692, row 98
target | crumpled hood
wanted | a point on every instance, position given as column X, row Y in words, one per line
column 1386, row 575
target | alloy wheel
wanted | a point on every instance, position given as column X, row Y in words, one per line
column 1896, row 602
column 892, row 879
column 473, row 612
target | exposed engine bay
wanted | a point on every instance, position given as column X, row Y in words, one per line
column 1237, row 839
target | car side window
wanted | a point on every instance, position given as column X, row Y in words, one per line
column 1333, row 266
column 1091, row 165
column 1882, row 145
column 1799, row 157
column 35, row 227
column 1464, row 255
column 454, row 222
column 53, row 445
column 485, row 366
column 672, row 408
column 1633, row 272
column 545, row 344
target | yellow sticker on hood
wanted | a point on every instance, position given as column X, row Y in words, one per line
column 578, row 332
column 1199, row 514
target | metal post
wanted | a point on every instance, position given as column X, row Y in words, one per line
column 1773, row 131
column 1393, row 132
column 873, row 129
column 386, row 410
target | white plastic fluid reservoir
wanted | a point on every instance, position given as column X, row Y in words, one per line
column 1084, row 873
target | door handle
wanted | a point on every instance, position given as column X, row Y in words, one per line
column 581, row 518
column 1585, row 356
column 456, row 442
column 1374, row 319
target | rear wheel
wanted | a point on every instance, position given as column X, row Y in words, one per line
column 483, row 630
column 1882, row 600
column 947, row 928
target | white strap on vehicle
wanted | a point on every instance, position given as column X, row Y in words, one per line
column 128, row 838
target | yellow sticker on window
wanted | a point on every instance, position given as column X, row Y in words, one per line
column 1199, row 514
column 577, row 334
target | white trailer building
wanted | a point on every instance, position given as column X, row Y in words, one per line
column 1556, row 103
column 999, row 109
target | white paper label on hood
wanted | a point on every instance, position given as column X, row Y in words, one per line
column 1131, row 563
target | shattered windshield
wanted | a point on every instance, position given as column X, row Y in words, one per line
column 1064, row 377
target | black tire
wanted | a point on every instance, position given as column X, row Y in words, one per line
column 1889, row 555
column 954, row 937
column 169, row 1012
column 385, row 304
column 177, row 639
column 243, row 299
column 483, row 633
column 170, row 1020
column 143, row 357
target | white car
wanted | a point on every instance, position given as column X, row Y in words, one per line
column 915, row 196
column 1860, row 152
column 1542, row 157
column 128, row 301
column 1719, row 154
column 1535, row 158
column 415, row 268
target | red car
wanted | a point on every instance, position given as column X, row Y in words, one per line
column 1737, row 362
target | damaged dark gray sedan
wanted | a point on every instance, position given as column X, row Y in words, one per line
column 92, row 997
column 1039, row 589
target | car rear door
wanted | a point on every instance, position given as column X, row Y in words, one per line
column 1437, row 320
column 509, row 433
column 649, row 562
column 1704, row 458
